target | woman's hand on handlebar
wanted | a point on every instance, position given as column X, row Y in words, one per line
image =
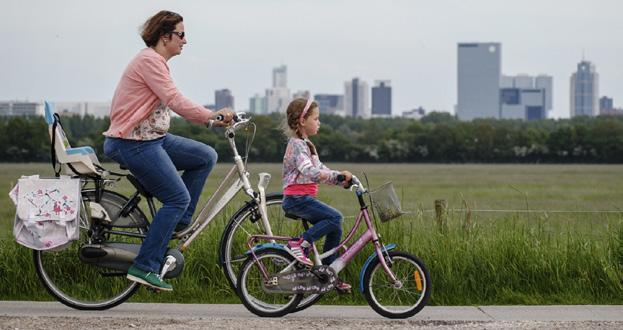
column 223, row 117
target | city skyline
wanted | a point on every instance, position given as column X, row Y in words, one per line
column 73, row 50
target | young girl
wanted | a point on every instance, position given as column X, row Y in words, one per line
column 302, row 171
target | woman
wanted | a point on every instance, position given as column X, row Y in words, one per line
column 137, row 139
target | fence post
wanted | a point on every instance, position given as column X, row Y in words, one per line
column 441, row 214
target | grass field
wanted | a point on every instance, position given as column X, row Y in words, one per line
column 523, row 255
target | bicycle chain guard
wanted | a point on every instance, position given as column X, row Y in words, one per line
column 319, row 279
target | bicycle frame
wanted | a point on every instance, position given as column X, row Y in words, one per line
column 225, row 193
column 349, row 253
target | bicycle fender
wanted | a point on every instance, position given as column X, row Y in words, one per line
column 262, row 247
column 386, row 248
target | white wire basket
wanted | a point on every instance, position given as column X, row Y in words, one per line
column 386, row 203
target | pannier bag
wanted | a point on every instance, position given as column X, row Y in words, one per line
column 48, row 211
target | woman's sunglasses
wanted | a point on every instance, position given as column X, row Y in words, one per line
column 179, row 34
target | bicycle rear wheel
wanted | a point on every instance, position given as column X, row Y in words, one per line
column 85, row 286
column 251, row 283
column 246, row 222
column 402, row 299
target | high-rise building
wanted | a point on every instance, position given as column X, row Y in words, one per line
column 525, row 97
column 523, row 81
column 356, row 98
column 546, row 83
column 382, row 99
column 223, row 99
column 584, row 90
column 330, row 104
column 278, row 96
column 280, row 76
column 605, row 103
column 479, row 75
column 257, row 104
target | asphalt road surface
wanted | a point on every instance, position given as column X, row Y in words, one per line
column 53, row 315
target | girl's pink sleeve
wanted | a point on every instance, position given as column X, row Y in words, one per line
column 155, row 73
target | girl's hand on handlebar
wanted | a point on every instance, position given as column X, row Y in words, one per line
column 347, row 176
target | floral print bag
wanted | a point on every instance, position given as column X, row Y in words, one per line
column 48, row 211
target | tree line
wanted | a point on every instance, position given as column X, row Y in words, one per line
column 436, row 138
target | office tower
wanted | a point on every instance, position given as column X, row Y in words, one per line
column 356, row 98
column 278, row 96
column 523, row 81
column 605, row 103
column 257, row 104
column 223, row 99
column 546, row 83
column 330, row 104
column 280, row 76
column 382, row 99
column 479, row 75
column 584, row 90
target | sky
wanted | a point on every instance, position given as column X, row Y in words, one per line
column 69, row 50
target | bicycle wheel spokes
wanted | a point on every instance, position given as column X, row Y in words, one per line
column 251, row 291
column 246, row 224
column 399, row 299
column 86, row 286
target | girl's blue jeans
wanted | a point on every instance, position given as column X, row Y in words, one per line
column 155, row 164
column 325, row 219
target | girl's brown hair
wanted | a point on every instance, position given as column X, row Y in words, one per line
column 162, row 23
column 293, row 116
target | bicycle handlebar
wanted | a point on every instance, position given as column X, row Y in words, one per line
column 352, row 183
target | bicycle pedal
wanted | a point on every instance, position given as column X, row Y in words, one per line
column 340, row 291
column 152, row 289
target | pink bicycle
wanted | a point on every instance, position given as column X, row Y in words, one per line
column 395, row 284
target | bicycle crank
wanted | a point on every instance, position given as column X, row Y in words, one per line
column 319, row 279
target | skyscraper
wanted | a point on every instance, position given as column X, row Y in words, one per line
column 584, row 90
column 479, row 73
column 525, row 97
column 257, row 104
column 278, row 96
column 606, row 103
column 382, row 98
column 356, row 98
column 546, row 83
column 223, row 99
column 280, row 76
column 330, row 104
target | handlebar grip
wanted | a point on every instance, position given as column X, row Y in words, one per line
column 341, row 178
column 220, row 117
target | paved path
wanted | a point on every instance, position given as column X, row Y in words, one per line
column 430, row 313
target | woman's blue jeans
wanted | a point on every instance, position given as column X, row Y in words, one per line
column 155, row 164
column 325, row 219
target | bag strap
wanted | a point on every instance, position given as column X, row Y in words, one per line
column 57, row 121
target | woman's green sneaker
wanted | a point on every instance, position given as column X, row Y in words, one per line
column 148, row 278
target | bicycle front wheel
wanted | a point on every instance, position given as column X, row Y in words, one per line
column 85, row 286
column 251, row 284
column 401, row 299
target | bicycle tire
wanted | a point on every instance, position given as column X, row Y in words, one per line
column 406, row 267
column 83, row 286
column 233, row 245
column 250, row 288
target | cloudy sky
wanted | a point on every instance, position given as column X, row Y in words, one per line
column 66, row 50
